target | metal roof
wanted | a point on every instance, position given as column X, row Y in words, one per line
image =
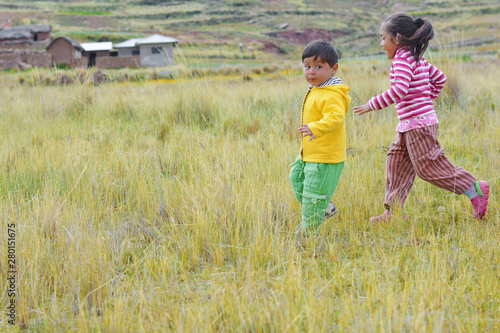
column 153, row 39
column 127, row 43
column 101, row 46
column 157, row 39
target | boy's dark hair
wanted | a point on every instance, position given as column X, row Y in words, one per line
column 322, row 49
column 414, row 33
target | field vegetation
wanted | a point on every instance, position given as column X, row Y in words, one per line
column 157, row 206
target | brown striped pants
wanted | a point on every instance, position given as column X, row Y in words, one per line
column 418, row 152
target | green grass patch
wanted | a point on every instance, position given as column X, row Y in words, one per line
column 83, row 12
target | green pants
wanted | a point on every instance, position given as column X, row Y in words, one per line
column 313, row 185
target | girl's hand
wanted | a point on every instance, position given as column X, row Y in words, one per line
column 362, row 109
column 306, row 131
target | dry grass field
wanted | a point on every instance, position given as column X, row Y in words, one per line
column 165, row 206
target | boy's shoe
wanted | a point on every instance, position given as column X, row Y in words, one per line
column 480, row 202
column 330, row 210
column 385, row 217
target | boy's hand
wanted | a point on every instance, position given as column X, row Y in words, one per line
column 362, row 109
column 306, row 131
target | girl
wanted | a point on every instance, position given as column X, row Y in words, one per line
column 415, row 83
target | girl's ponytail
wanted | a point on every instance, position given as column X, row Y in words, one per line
column 413, row 33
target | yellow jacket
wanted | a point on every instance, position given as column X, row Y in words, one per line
column 324, row 110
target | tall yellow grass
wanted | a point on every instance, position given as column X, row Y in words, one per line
column 167, row 207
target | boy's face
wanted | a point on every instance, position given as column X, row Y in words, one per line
column 318, row 71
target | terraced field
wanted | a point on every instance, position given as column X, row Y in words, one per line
column 269, row 29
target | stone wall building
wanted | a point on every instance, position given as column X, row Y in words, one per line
column 20, row 46
column 65, row 50
column 118, row 62
column 92, row 51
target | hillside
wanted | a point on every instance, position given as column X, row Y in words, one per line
column 271, row 29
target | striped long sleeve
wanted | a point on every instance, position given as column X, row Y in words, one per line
column 401, row 75
column 414, row 86
column 437, row 79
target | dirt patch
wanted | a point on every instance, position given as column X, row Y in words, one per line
column 302, row 37
column 270, row 47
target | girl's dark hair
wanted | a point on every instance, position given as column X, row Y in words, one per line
column 414, row 33
column 322, row 49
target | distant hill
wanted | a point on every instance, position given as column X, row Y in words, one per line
column 267, row 29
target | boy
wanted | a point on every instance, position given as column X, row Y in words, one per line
column 315, row 173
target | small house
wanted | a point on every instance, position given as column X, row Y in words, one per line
column 155, row 50
column 65, row 50
column 93, row 50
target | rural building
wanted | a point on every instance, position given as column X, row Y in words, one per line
column 65, row 50
column 24, row 33
column 93, row 50
column 14, row 35
column 154, row 50
column 19, row 46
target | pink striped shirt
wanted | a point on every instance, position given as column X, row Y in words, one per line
column 414, row 86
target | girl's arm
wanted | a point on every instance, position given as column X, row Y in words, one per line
column 437, row 79
column 362, row 109
column 402, row 75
